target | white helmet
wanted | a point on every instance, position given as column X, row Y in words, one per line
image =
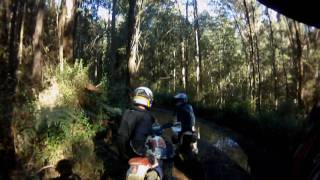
column 143, row 96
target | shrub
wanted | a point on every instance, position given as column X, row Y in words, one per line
column 54, row 126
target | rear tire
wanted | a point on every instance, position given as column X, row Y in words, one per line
column 152, row 175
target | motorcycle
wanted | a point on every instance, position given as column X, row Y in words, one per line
column 186, row 152
column 150, row 167
column 179, row 140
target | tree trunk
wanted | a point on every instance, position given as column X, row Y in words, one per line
column 134, row 21
column 285, row 74
column 61, row 27
column 113, row 45
column 131, row 32
column 37, row 43
column 183, row 64
column 174, row 71
column 182, row 47
column 251, row 56
column 294, row 70
column 20, row 51
column 186, row 51
column 296, row 55
column 197, row 47
column 299, row 64
column 257, row 53
column 68, row 39
column 66, row 31
column 9, row 65
column 74, row 25
column 284, row 66
column 273, row 59
column 220, row 85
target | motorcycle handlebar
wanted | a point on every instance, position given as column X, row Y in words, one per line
column 167, row 125
column 158, row 129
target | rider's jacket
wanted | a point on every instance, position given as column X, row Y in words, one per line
column 136, row 125
column 186, row 116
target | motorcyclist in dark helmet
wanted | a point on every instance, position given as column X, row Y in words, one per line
column 186, row 153
column 185, row 115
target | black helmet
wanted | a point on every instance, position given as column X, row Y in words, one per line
column 180, row 98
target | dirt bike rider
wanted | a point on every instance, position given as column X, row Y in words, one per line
column 186, row 154
column 136, row 125
column 184, row 114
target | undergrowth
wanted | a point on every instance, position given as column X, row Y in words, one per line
column 60, row 123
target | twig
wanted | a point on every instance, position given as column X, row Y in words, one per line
column 45, row 167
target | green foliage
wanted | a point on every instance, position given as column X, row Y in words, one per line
column 55, row 125
column 69, row 137
column 72, row 82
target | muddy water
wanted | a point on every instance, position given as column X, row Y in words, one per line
column 212, row 134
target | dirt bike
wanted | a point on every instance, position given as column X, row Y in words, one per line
column 186, row 152
column 179, row 139
column 150, row 167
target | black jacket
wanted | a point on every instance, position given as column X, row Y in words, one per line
column 136, row 125
column 186, row 116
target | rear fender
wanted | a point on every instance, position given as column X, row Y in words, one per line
column 139, row 166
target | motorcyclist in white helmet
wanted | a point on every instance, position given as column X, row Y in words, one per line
column 136, row 124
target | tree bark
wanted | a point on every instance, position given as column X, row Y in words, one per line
column 113, row 45
column 9, row 65
column 285, row 74
column 174, row 71
column 20, row 51
column 186, row 51
column 257, row 55
column 69, row 27
column 37, row 43
column 273, row 59
column 251, row 55
column 66, row 33
column 74, row 25
column 182, row 79
column 296, row 55
column 197, row 47
column 183, row 64
column 61, row 27
column 299, row 64
column 134, row 21
column 284, row 68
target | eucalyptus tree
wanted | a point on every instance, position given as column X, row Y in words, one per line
column 10, row 14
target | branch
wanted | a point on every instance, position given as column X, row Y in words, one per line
column 45, row 167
